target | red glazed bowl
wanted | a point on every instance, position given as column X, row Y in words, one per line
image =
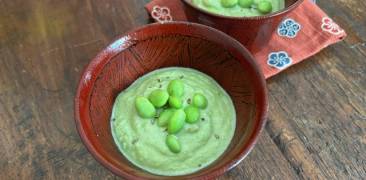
column 162, row 45
column 252, row 32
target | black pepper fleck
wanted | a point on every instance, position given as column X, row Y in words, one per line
column 159, row 80
column 199, row 165
column 181, row 77
column 217, row 136
column 135, row 141
column 189, row 100
column 160, row 86
column 202, row 119
column 114, row 119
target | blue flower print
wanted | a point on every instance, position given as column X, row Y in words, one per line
column 288, row 28
column 279, row 60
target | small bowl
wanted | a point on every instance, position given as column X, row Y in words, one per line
column 252, row 32
column 163, row 45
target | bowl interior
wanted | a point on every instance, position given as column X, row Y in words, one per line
column 157, row 46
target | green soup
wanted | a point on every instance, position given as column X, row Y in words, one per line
column 215, row 6
column 142, row 141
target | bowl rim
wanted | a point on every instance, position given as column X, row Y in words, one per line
column 85, row 77
column 262, row 17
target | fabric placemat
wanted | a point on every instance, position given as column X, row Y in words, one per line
column 304, row 32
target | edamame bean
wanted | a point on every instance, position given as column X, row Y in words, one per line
column 158, row 98
column 192, row 114
column 229, row 3
column 264, row 7
column 144, row 108
column 246, row 3
column 173, row 143
column 164, row 117
column 175, row 102
column 176, row 121
column 176, row 88
column 199, row 100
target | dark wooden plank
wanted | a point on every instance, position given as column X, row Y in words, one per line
column 44, row 46
column 266, row 161
column 318, row 108
column 317, row 116
column 321, row 111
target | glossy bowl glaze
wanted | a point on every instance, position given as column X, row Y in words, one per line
column 163, row 45
column 252, row 32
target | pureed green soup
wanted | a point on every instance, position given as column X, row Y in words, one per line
column 240, row 8
column 173, row 121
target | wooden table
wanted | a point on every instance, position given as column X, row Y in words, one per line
column 317, row 112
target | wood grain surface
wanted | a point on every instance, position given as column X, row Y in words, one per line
column 317, row 112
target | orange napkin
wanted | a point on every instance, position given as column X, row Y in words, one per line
column 304, row 32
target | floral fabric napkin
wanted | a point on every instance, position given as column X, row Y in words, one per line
column 303, row 33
